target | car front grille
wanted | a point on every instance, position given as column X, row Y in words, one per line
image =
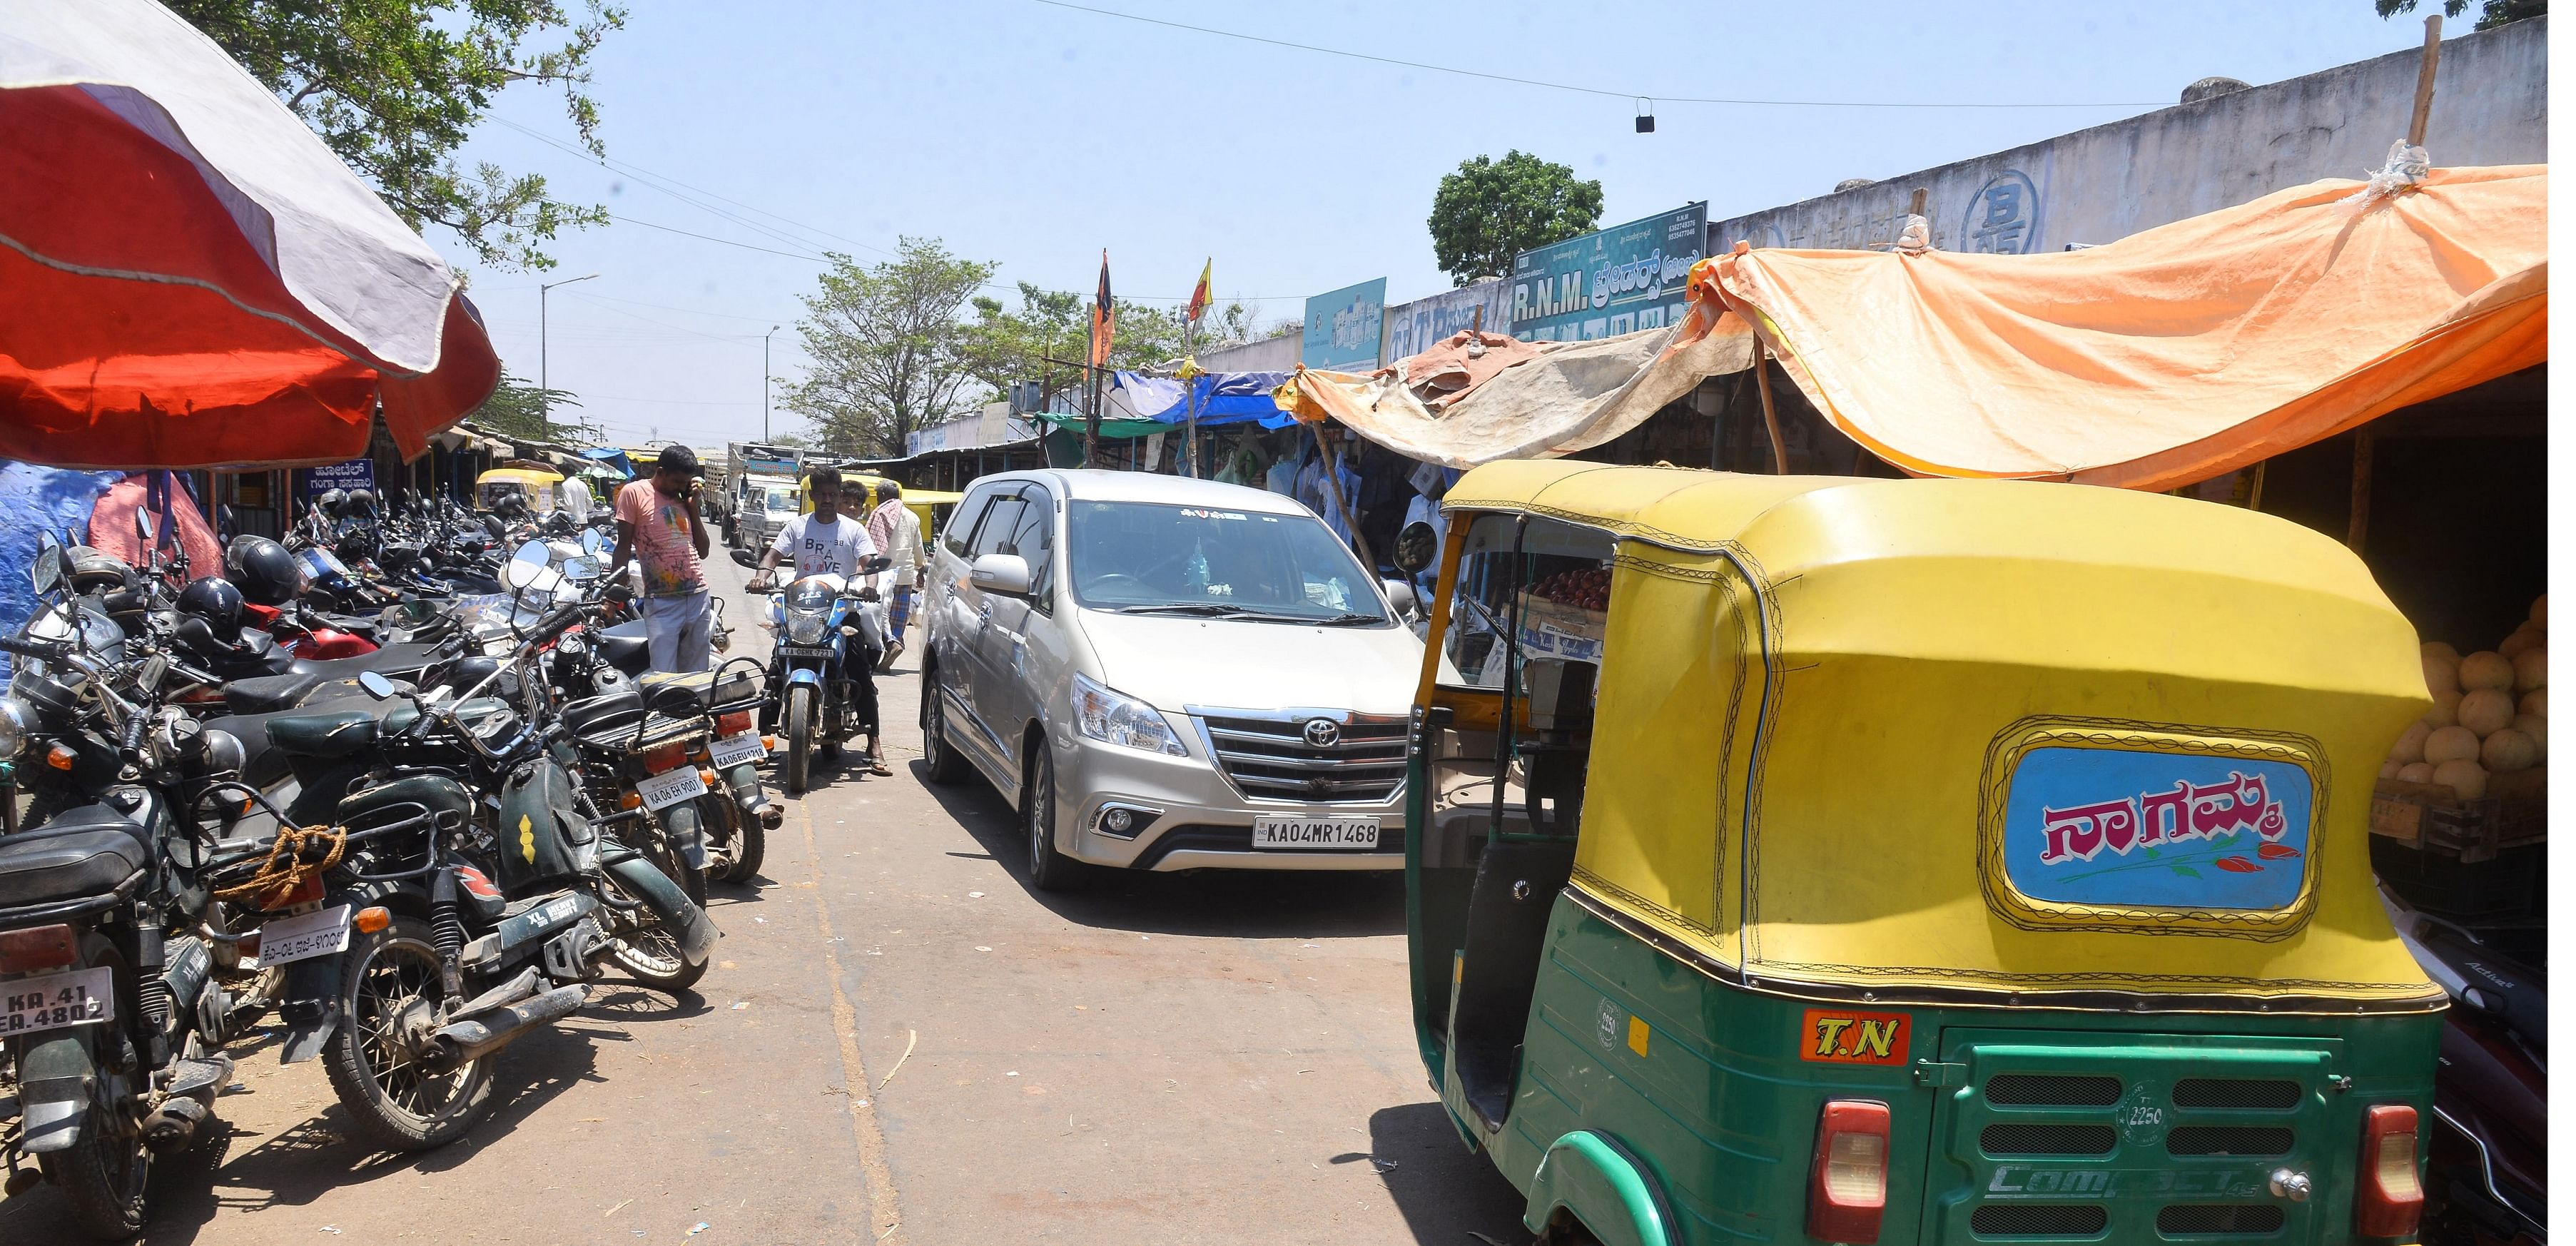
column 1306, row 756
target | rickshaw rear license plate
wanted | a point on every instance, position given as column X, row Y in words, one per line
column 1274, row 830
column 735, row 750
column 57, row 1000
column 670, row 787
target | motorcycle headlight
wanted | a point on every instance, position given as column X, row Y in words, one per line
column 806, row 629
column 16, row 718
column 1115, row 718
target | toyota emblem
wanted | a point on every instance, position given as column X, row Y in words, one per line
column 1323, row 732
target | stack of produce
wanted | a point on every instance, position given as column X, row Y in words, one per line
column 1588, row 590
column 2490, row 713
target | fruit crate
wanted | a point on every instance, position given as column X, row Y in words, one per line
column 2431, row 818
column 2503, row 891
column 1553, row 629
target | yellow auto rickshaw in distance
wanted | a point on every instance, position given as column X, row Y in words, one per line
column 1817, row 859
column 532, row 484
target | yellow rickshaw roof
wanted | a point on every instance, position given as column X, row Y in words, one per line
column 522, row 475
column 1848, row 733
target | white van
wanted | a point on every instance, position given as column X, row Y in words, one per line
column 1167, row 674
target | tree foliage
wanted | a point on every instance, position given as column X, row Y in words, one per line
column 1490, row 210
column 394, row 87
column 890, row 352
column 2491, row 13
column 524, row 412
column 1007, row 344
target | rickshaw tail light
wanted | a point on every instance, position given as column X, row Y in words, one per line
column 2392, row 1196
column 1847, row 1186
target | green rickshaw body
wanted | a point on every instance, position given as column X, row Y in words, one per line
column 1875, row 796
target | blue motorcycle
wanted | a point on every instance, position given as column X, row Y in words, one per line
column 827, row 640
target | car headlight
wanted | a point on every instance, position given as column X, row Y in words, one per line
column 806, row 629
column 1115, row 718
column 16, row 717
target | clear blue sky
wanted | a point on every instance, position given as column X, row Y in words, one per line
column 1035, row 136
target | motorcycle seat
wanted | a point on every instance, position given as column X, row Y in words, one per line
column 79, row 852
column 626, row 647
column 331, row 733
column 269, row 693
column 605, row 713
column 262, row 763
column 394, row 660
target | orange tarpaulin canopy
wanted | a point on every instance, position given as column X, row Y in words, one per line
column 2172, row 355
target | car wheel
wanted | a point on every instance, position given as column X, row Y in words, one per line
column 938, row 756
column 1049, row 870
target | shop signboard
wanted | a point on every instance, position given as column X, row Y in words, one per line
column 1613, row 281
column 1345, row 328
column 354, row 474
column 1413, row 327
column 994, row 425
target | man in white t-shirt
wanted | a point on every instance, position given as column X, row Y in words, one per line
column 825, row 542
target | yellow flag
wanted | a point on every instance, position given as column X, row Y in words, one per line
column 1206, row 291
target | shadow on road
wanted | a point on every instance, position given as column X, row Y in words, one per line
column 1244, row 904
column 1443, row 1190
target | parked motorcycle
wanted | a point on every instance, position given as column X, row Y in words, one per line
column 2488, row 1180
column 822, row 668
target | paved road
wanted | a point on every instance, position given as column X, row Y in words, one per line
column 902, row 1043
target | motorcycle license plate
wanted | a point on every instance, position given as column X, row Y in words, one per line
column 1290, row 831
column 670, row 787
column 735, row 750
column 57, row 1000
column 304, row 936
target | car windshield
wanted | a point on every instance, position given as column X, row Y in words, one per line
column 1142, row 558
column 781, row 499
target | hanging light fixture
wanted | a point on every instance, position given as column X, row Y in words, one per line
column 1645, row 115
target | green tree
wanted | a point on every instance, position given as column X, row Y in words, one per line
column 2491, row 13
column 522, row 411
column 1490, row 210
column 1007, row 345
column 394, row 87
column 890, row 353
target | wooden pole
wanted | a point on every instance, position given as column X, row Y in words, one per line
column 1332, row 466
column 2362, row 446
column 1770, row 414
column 2424, row 80
column 1920, row 194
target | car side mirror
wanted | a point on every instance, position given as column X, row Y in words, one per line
column 1000, row 573
column 743, row 556
column 1416, row 547
column 1402, row 596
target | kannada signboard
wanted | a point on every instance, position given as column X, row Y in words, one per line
column 354, row 474
column 1603, row 284
column 1345, row 328
column 1413, row 327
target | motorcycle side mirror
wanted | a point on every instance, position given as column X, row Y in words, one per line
column 376, row 685
column 875, row 563
column 47, row 572
column 743, row 556
column 143, row 526
column 155, row 668
column 1416, row 546
column 196, row 634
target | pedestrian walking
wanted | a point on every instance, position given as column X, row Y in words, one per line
column 897, row 532
column 657, row 522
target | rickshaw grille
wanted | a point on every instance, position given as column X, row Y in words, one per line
column 2024, row 1139
column 2229, row 1092
column 2039, row 1220
column 2046, row 1090
column 2229, row 1140
column 2186, row 1219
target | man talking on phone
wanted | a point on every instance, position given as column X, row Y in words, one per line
column 657, row 522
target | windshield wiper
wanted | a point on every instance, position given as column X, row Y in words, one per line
column 1347, row 620
column 1217, row 608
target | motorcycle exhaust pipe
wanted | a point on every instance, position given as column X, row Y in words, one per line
column 173, row 1125
column 461, row 1042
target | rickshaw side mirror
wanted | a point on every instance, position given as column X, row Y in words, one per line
column 1416, row 547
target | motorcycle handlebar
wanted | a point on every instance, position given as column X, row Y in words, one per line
column 40, row 650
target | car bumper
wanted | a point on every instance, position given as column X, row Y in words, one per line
column 1190, row 818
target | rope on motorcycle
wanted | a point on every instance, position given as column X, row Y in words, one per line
column 274, row 878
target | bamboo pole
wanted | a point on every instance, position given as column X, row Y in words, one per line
column 2424, row 80
column 1331, row 464
column 2363, row 443
column 1770, row 414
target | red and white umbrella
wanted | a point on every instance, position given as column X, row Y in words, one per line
column 188, row 277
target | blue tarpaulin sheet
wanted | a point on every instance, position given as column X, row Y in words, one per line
column 1222, row 398
column 613, row 457
column 33, row 500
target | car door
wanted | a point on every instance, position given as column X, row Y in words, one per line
column 1008, row 697
column 973, row 680
column 947, row 613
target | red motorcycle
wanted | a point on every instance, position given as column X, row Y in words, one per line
column 304, row 634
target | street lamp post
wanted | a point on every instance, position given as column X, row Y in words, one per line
column 764, row 385
column 545, row 426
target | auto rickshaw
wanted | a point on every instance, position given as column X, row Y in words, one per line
column 534, row 485
column 1910, row 861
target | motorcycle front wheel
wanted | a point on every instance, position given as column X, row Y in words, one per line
column 394, row 991
column 646, row 948
column 106, row 1173
column 795, row 770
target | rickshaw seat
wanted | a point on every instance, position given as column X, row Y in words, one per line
column 1506, row 938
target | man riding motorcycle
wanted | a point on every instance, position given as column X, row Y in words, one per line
column 833, row 540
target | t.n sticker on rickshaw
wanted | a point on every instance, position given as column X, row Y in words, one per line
column 2156, row 829
column 1836, row 1036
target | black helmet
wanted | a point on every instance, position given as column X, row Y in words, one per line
column 96, row 572
column 332, row 502
column 214, row 599
column 362, row 500
column 265, row 572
